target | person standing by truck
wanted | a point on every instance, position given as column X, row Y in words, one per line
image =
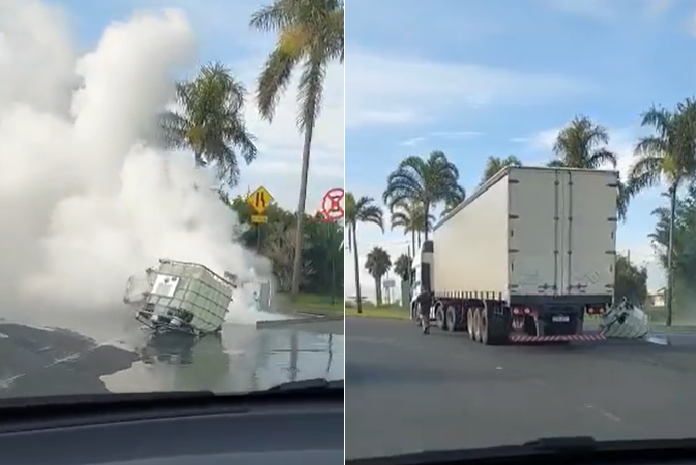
column 424, row 303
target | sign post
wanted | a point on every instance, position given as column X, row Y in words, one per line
column 331, row 212
column 259, row 200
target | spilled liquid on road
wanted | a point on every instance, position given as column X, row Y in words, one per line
column 241, row 359
column 99, row 355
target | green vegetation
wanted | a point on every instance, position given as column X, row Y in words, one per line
column 425, row 182
column 312, row 303
column 389, row 312
column 209, row 121
column 666, row 157
column 322, row 257
column 362, row 210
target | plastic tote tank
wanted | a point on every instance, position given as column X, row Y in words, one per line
column 188, row 297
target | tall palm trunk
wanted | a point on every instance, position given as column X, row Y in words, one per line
column 378, row 291
column 670, row 251
column 413, row 242
column 301, row 205
column 358, row 294
column 426, row 208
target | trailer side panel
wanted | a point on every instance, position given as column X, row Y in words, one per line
column 471, row 247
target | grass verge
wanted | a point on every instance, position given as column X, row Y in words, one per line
column 384, row 312
column 675, row 328
column 311, row 303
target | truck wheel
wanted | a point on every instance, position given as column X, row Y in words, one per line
column 451, row 321
column 493, row 330
column 470, row 323
column 485, row 328
column 440, row 320
column 477, row 325
column 461, row 318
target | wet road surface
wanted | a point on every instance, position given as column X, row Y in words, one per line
column 407, row 392
column 100, row 357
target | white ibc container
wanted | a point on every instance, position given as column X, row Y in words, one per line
column 192, row 293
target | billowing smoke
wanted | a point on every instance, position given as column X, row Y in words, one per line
column 84, row 203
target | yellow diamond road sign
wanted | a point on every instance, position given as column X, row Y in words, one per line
column 259, row 199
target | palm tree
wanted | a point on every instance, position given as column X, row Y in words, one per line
column 582, row 144
column 310, row 35
column 402, row 267
column 667, row 155
column 424, row 181
column 495, row 164
column 451, row 202
column 362, row 210
column 378, row 263
column 209, row 121
column 411, row 216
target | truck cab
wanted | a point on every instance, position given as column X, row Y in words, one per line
column 421, row 275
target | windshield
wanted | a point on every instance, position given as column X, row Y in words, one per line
column 148, row 194
column 525, row 230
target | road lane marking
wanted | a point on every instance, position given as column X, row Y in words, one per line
column 603, row 412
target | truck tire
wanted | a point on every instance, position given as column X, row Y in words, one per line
column 477, row 324
column 493, row 328
column 440, row 320
column 486, row 328
column 470, row 323
column 451, row 321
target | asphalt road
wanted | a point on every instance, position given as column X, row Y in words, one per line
column 408, row 392
column 99, row 356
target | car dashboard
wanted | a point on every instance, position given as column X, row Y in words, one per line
column 178, row 429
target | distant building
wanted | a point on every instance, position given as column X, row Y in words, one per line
column 656, row 298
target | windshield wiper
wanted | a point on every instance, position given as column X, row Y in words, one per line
column 304, row 386
column 557, row 447
column 12, row 410
column 309, row 386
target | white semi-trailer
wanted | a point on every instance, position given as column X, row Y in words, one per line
column 524, row 259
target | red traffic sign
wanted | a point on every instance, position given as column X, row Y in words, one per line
column 331, row 206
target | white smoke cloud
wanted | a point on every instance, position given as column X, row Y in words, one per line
column 83, row 203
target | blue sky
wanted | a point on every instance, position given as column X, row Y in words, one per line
column 223, row 34
column 487, row 78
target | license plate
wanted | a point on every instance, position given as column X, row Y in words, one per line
column 560, row 319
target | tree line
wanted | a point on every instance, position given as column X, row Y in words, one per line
column 322, row 253
column 209, row 117
column 665, row 158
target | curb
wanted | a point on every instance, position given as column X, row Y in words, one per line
column 295, row 321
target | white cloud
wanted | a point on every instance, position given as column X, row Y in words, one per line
column 603, row 11
column 591, row 9
column 413, row 141
column 520, row 140
column 399, row 90
column 456, row 135
column 450, row 135
column 658, row 7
